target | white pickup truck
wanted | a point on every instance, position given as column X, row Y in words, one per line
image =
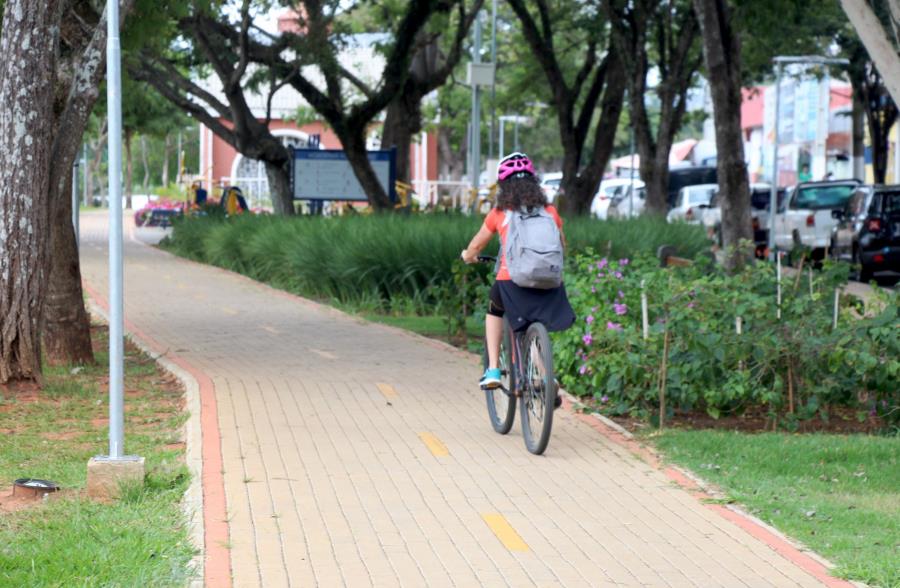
column 806, row 221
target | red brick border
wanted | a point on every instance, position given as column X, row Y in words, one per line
column 217, row 559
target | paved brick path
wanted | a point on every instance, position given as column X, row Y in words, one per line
column 355, row 455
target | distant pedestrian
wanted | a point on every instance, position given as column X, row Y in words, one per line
column 804, row 175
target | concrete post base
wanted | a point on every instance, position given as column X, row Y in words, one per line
column 105, row 476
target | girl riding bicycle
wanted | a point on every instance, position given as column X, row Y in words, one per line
column 519, row 190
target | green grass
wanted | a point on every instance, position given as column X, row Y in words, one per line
column 139, row 540
column 840, row 495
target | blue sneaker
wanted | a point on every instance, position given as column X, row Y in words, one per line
column 491, row 379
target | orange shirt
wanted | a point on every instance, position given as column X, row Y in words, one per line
column 496, row 221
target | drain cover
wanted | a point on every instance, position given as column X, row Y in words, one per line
column 35, row 488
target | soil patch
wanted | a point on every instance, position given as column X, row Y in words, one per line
column 10, row 503
column 61, row 436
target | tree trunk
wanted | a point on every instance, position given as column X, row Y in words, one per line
column 30, row 46
column 167, row 153
column 451, row 160
column 354, row 143
column 280, row 188
column 722, row 52
column 859, row 135
column 129, row 168
column 66, row 333
column 654, row 169
column 145, row 185
column 876, row 41
column 401, row 123
column 580, row 186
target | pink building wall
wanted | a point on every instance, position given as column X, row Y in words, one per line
column 217, row 156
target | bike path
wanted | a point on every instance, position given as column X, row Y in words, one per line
column 358, row 455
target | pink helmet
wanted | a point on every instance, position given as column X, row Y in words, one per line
column 514, row 163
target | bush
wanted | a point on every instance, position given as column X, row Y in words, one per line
column 796, row 366
column 390, row 260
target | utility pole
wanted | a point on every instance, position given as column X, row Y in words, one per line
column 494, row 85
column 475, row 150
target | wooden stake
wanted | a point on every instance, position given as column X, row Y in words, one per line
column 663, row 377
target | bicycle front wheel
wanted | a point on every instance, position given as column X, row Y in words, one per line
column 539, row 391
column 501, row 403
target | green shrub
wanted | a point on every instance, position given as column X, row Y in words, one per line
column 390, row 259
column 796, row 366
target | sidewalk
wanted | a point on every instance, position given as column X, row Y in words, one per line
column 356, row 455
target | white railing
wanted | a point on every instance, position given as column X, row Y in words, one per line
column 431, row 194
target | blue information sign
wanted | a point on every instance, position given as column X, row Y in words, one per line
column 325, row 174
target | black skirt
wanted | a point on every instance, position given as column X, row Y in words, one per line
column 523, row 306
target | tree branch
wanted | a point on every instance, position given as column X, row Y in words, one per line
column 146, row 71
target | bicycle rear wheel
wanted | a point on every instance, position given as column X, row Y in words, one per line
column 539, row 391
column 501, row 403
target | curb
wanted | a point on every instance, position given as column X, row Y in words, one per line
column 792, row 550
column 192, row 501
column 203, row 454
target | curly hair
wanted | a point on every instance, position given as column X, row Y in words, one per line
column 516, row 192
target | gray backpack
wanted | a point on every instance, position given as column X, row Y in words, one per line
column 533, row 252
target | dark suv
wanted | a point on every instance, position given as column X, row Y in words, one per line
column 868, row 231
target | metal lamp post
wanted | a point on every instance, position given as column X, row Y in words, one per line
column 780, row 62
column 107, row 473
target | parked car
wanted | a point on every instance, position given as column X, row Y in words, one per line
column 689, row 176
column 606, row 192
column 550, row 183
column 806, row 219
column 760, row 194
column 627, row 203
column 691, row 203
column 867, row 233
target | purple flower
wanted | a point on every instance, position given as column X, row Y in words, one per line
column 593, row 289
column 613, row 326
column 620, row 308
column 690, row 305
column 623, row 262
column 618, row 275
column 601, row 274
column 602, row 264
column 593, row 309
column 621, row 294
column 587, row 339
column 604, row 399
column 582, row 369
column 589, row 319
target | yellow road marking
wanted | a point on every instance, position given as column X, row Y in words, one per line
column 324, row 354
column 504, row 532
column 387, row 390
column 435, row 445
column 228, row 310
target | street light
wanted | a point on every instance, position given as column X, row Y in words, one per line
column 780, row 61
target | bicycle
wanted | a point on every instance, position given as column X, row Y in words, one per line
column 531, row 381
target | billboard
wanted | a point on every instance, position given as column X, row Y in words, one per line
column 325, row 174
